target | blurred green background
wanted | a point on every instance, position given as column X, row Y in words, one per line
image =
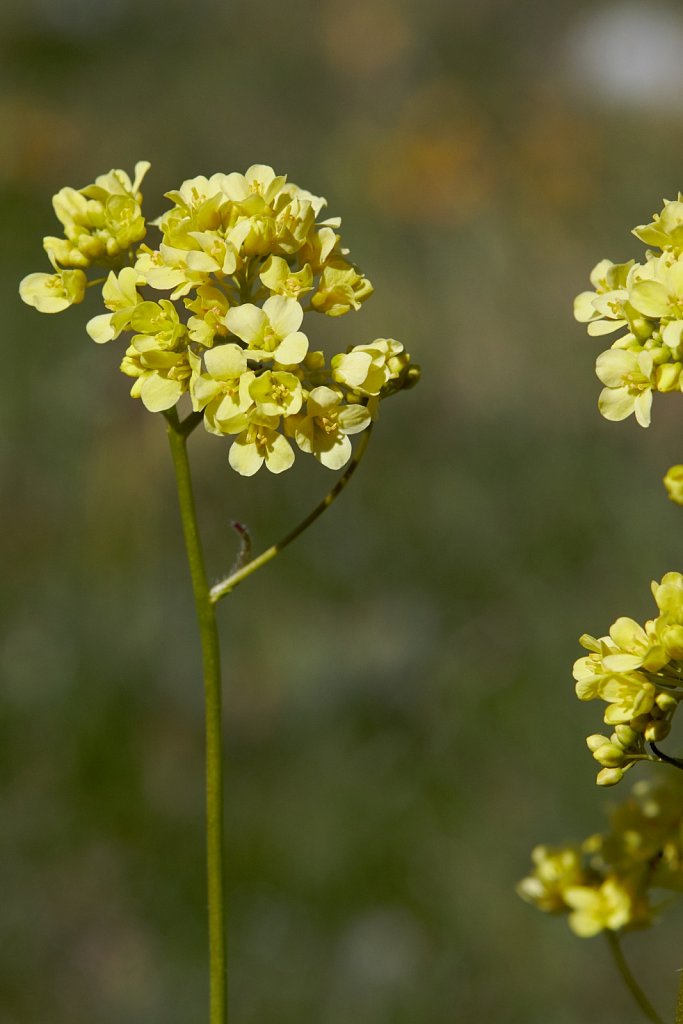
column 400, row 718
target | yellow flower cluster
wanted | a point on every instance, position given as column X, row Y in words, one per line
column 638, row 671
column 608, row 881
column 645, row 301
column 242, row 258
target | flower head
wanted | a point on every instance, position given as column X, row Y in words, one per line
column 643, row 304
column 236, row 258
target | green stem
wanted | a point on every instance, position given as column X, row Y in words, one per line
column 219, row 590
column 177, row 435
column 630, row 982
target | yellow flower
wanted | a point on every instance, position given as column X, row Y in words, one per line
column 52, row 293
column 665, row 231
column 367, row 368
column 162, row 377
column 121, row 295
column 276, row 393
column 629, row 379
column 280, row 279
column 341, row 288
column 555, row 870
column 596, row 908
column 258, row 445
column 322, row 430
column 271, row 332
column 208, row 325
column 223, row 391
column 100, row 221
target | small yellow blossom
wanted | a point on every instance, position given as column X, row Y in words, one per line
column 322, row 430
column 629, row 380
column 638, row 672
column 53, row 293
column 271, row 332
column 594, row 909
column 259, row 445
column 341, row 288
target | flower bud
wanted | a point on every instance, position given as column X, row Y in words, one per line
column 657, row 731
column 595, row 741
column 641, row 327
column 609, row 776
column 626, row 736
column 673, row 481
column 668, row 377
column 609, row 755
column 672, row 641
column 640, row 723
column 667, row 702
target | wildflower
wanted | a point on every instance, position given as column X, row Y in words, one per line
column 237, row 254
column 120, row 294
column 52, row 293
column 322, row 430
column 629, row 379
column 638, row 672
column 257, row 445
column 555, row 870
column 271, row 332
column 222, row 392
column 367, row 368
column 100, row 221
column 596, row 908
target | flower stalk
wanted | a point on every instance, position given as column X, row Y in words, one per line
column 214, row 742
column 630, row 982
column 214, row 317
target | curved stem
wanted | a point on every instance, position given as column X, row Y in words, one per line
column 219, row 590
column 177, row 435
column 661, row 756
column 628, row 979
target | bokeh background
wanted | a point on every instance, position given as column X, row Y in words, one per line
column 400, row 718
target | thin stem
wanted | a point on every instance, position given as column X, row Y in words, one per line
column 177, row 435
column 219, row 590
column 628, row 979
column 679, row 1004
column 661, row 756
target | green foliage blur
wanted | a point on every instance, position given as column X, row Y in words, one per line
column 400, row 719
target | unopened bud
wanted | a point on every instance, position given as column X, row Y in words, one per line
column 673, row 481
column 640, row 723
column 626, row 736
column 609, row 776
column 667, row 702
column 657, row 731
column 609, row 755
column 672, row 640
column 668, row 377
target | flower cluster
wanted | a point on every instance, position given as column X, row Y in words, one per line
column 608, row 881
column 242, row 258
column 638, row 671
column 645, row 302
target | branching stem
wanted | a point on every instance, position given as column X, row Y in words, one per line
column 225, row 586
